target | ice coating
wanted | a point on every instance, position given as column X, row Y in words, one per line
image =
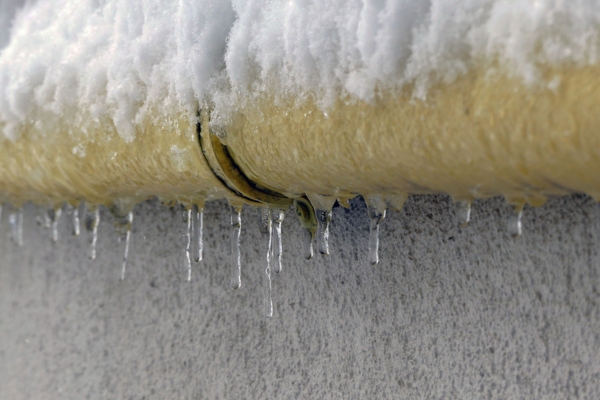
column 118, row 61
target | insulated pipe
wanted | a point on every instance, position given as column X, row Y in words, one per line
column 273, row 102
column 479, row 136
column 93, row 163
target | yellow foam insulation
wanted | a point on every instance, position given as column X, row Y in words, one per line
column 484, row 134
column 100, row 167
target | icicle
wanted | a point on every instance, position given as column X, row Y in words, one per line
column 277, row 216
column 53, row 216
column 376, row 208
column 323, row 219
column 123, row 228
column 462, row 211
column 514, row 222
column 197, row 228
column 12, row 220
column 307, row 240
column 48, row 215
column 236, row 257
column 15, row 219
column 186, row 218
column 92, row 220
column 322, row 205
column 266, row 229
column 76, row 223
column 304, row 210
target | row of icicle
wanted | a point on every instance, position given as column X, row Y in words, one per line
column 270, row 228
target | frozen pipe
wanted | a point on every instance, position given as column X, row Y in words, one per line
column 100, row 167
column 270, row 103
column 476, row 137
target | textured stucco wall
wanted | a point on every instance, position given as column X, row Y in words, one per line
column 449, row 312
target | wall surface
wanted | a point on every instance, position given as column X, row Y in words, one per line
column 449, row 312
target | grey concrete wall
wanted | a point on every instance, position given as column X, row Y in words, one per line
column 449, row 313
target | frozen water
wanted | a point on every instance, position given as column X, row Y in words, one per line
column 462, row 210
column 54, row 215
column 16, row 225
column 123, row 229
column 323, row 220
column 186, row 218
column 197, row 232
column 277, row 216
column 266, row 229
column 92, row 220
column 376, row 208
column 514, row 222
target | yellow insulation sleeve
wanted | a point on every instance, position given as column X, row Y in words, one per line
column 99, row 166
column 484, row 134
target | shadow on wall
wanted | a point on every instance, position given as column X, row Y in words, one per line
column 449, row 312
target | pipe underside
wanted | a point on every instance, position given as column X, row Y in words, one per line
column 484, row 134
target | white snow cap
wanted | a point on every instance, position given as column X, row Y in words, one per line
column 123, row 59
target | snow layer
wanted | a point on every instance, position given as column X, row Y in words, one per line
column 123, row 60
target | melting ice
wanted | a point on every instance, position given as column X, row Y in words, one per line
column 123, row 229
column 236, row 257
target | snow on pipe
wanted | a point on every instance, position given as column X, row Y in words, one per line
column 273, row 104
column 100, row 101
